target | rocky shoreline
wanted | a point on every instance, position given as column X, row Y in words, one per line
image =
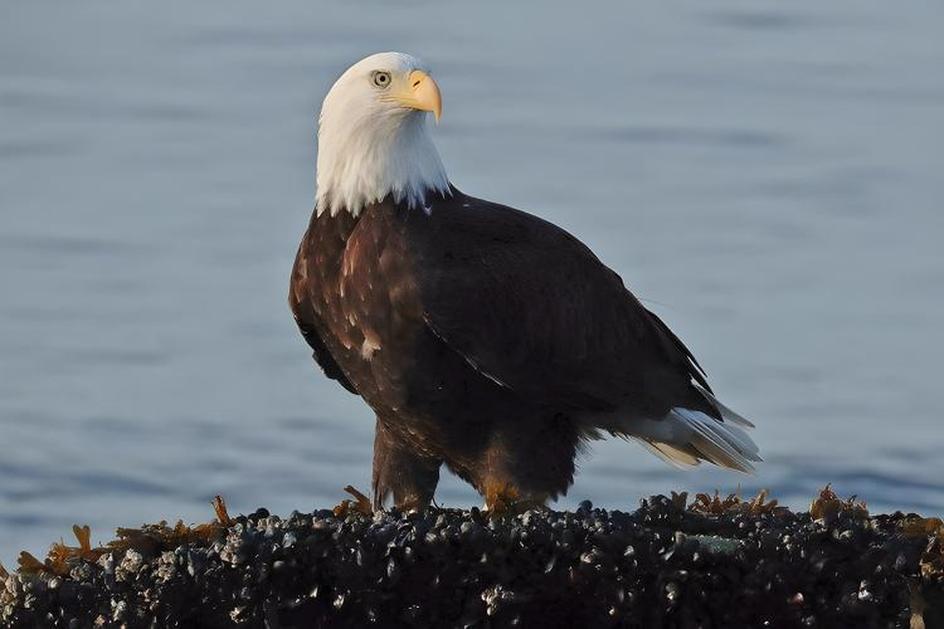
column 674, row 562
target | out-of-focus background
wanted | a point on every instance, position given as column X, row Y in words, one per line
column 768, row 176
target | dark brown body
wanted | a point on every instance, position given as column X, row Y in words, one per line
column 483, row 338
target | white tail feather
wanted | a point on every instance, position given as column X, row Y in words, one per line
column 670, row 454
column 686, row 437
column 726, row 413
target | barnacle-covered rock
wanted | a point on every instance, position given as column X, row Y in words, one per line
column 714, row 561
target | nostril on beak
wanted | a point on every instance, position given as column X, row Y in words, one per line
column 416, row 83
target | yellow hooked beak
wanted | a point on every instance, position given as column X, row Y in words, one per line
column 421, row 93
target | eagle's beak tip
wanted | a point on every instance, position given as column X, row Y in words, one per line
column 425, row 94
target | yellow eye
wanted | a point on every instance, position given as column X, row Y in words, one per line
column 381, row 79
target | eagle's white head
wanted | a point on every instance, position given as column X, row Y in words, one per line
column 373, row 136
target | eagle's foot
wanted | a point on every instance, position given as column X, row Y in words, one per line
column 504, row 499
column 414, row 504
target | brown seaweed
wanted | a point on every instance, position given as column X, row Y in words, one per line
column 150, row 538
column 733, row 503
column 360, row 504
column 828, row 506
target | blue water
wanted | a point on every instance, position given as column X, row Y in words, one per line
column 767, row 176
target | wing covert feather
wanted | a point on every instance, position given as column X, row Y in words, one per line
column 534, row 309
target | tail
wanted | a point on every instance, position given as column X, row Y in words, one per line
column 686, row 437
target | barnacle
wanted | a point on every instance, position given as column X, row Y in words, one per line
column 360, row 504
column 828, row 505
column 364, row 570
column 932, row 560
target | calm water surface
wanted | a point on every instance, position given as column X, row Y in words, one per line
column 767, row 176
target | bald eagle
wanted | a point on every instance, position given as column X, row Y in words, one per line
column 483, row 337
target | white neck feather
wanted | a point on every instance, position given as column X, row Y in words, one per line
column 364, row 156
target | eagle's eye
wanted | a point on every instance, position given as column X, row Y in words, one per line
column 381, row 78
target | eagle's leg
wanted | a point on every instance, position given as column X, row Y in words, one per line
column 524, row 465
column 400, row 471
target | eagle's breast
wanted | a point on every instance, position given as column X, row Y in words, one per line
column 363, row 292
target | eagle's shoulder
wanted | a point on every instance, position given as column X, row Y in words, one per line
column 479, row 222
column 488, row 242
